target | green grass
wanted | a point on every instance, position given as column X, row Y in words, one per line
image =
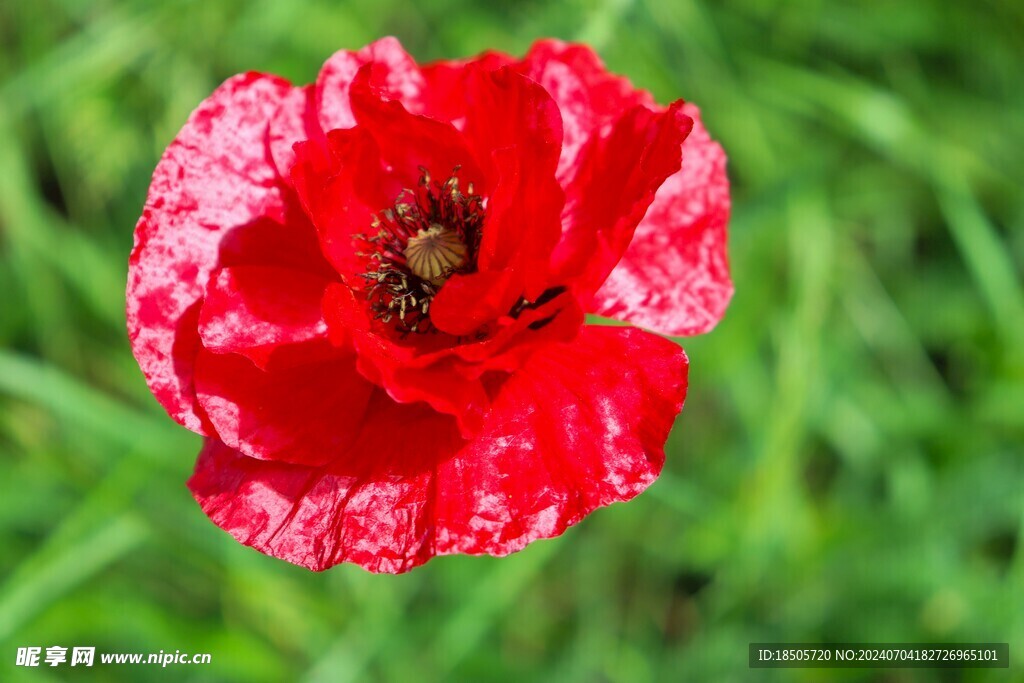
column 849, row 463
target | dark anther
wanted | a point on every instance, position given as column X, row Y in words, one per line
column 537, row 324
column 523, row 305
column 548, row 295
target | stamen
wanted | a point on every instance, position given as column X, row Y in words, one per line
column 429, row 234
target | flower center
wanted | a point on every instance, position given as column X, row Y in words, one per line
column 430, row 233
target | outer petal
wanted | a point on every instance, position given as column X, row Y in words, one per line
column 252, row 310
column 295, row 121
column 615, row 184
column 396, row 74
column 290, row 242
column 674, row 277
column 306, row 412
column 582, row 426
column 214, row 177
column 371, row 507
column 589, row 97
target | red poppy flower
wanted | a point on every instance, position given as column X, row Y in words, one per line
column 369, row 294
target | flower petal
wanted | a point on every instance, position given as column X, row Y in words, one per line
column 213, row 178
column 331, row 182
column 407, row 141
column 522, row 226
column 302, row 412
column 515, row 131
column 582, row 426
column 252, row 310
column 467, row 302
column 674, row 277
column 589, row 97
column 407, row 376
column 291, row 244
column 372, row 508
column 617, row 179
column 294, row 121
column 397, row 74
column 445, row 82
column 504, row 109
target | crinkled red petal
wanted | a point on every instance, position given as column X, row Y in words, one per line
column 581, row 426
column 468, row 302
column 514, row 127
column 330, row 181
column 397, row 74
column 290, row 242
column 394, row 366
column 408, row 142
column 252, row 310
column 306, row 410
column 589, row 97
column 618, row 176
column 213, row 178
column 674, row 277
column 367, row 507
column 295, row 121
column 444, row 92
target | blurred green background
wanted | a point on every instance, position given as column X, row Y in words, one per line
column 848, row 466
